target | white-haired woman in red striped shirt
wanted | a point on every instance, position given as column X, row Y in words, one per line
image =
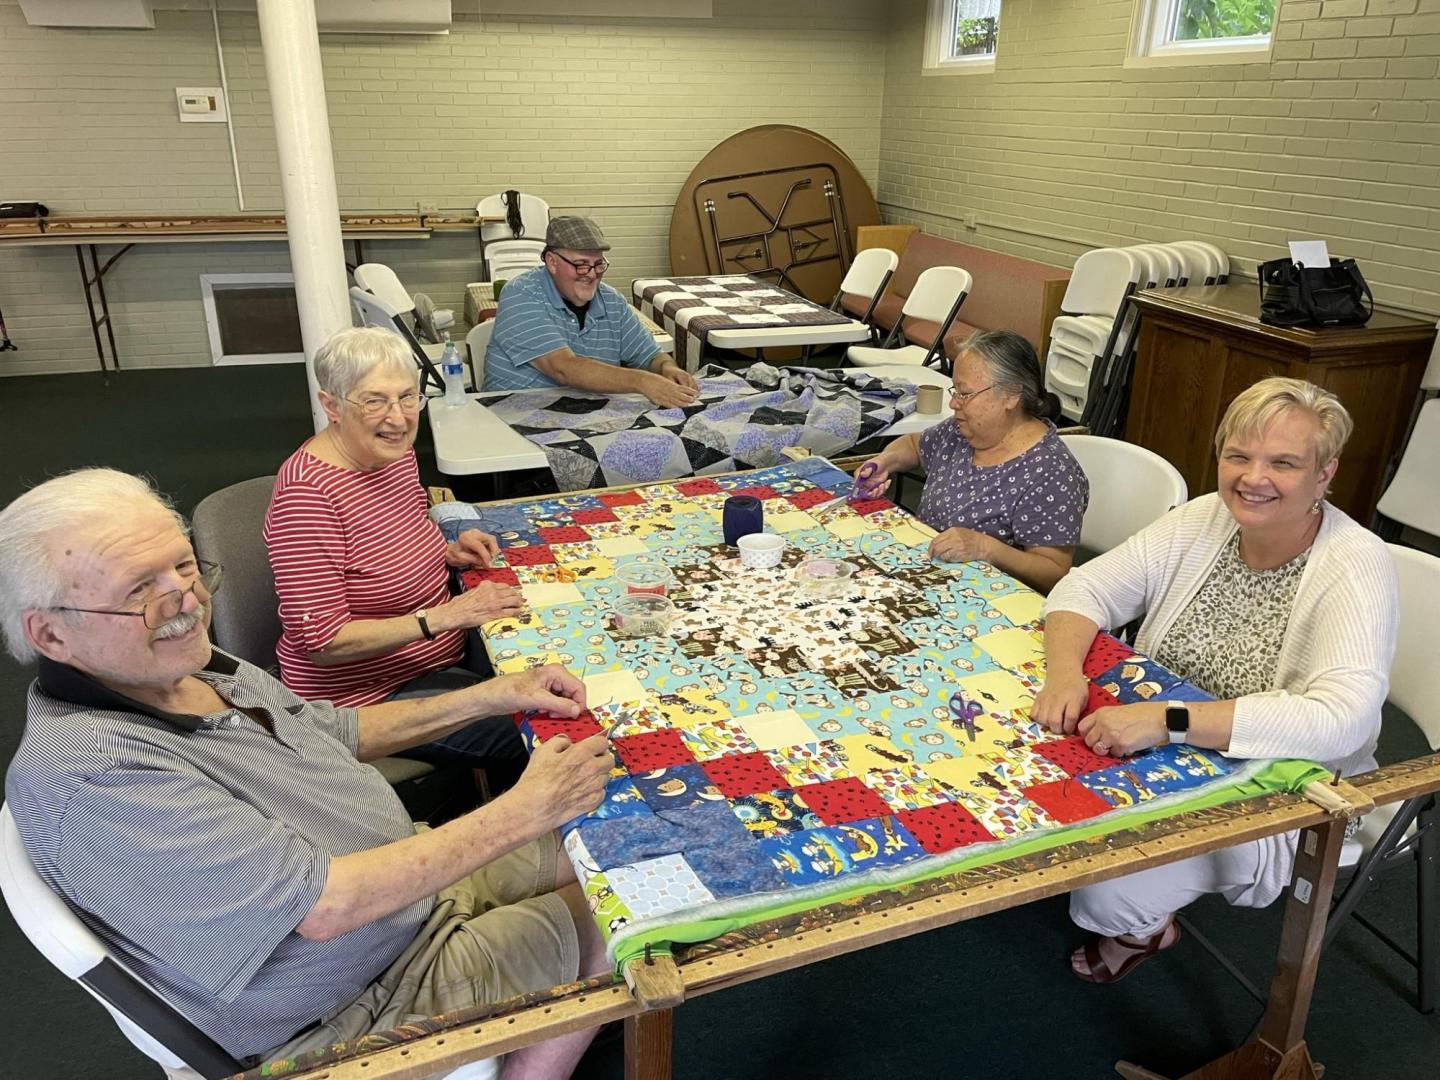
column 360, row 569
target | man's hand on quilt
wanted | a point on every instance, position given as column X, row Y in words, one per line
column 548, row 689
column 472, row 548
column 678, row 375
column 1061, row 701
column 477, row 606
column 961, row 545
column 668, row 391
column 1124, row 729
column 566, row 779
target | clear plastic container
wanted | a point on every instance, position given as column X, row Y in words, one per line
column 825, row 577
column 641, row 615
column 639, row 577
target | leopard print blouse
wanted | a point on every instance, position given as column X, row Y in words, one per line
column 1227, row 640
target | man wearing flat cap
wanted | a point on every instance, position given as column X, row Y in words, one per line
column 560, row 325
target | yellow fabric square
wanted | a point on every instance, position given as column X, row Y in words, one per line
column 592, row 568
column 548, row 595
column 613, row 688
column 614, row 546
column 996, row 691
column 1020, row 607
column 773, row 730
column 509, row 660
column 790, row 521
column 866, row 753
column 848, row 528
column 691, row 707
column 971, row 774
column 1012, row 648
column 915, row 534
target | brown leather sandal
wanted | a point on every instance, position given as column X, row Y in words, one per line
column 1099, row 970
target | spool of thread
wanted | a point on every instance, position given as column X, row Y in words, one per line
column 927, row 399
column 741, row 516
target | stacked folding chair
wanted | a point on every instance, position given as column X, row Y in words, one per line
column 1092, row 345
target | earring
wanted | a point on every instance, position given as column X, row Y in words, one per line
column 1315, row 507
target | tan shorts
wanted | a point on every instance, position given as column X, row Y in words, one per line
column 495, row 934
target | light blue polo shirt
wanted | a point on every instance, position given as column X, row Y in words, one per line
column 534, row 320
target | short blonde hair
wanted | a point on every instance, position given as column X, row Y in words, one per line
column 1258, row 405
column 342, row 363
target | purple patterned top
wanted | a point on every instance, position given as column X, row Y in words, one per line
column 1035, row 499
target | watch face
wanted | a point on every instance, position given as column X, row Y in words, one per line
column 1177, row 718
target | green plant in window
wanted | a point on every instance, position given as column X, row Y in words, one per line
column 1205, row 19
column 976, row 37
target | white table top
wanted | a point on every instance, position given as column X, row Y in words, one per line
column 470, row 439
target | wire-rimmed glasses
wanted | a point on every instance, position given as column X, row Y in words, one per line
column 159, row 610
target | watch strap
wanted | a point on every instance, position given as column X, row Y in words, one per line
column 1177, row 721
column 424, row 625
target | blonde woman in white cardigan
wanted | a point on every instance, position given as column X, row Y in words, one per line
column 1262, row 594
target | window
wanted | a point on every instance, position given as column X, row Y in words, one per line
column 960, row 35
column 1181, row 30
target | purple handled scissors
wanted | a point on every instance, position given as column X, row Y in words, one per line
column 861, row 488
column 963, row 713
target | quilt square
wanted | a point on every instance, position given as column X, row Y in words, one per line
column 738, row 775
column 908, row 788
column 577, row 729
column 565, row 534
column 652, row 750
column 866, row 507
column 773, row 813
column 535, row 555
column 1136, row 679
column 1105, row 652
column 943, row 827
column 676, row 788
column 804, row 500
column 701, row 485
column 613, row 499
column 762, row 492
column 813, row 764
column 1072, row 755
column 1067, row 801
column 716, row 738
column 657, row 887
column 837, row 802
column 503, row 574
column 772, row 730
column 1099, row 698
column 596, row 516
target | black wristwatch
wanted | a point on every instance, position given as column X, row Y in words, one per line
column 424, row 625
column 1177, row 720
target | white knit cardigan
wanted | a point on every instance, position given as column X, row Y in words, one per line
column 1333, row 669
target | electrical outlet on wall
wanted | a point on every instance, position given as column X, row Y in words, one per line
column 972, row 220
column 426, row 206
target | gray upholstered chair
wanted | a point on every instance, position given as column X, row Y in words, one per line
column 245, row 615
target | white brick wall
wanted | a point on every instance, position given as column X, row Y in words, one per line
column 605, row 118
column 1063, row 148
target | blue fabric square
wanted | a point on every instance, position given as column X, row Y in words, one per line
column 676, row 788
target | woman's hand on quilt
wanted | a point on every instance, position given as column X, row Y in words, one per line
column 872, row 483
column 477, row 606
column 472, row 548
column 566, row 779
column 668, row 392
column 1061, row 701
column 549, row 689
column 961, row 545
column 1124, row 729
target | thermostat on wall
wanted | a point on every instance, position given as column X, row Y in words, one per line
column 200, row 104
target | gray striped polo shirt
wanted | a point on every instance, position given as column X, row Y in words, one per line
column 194, row 845
column 533, row 320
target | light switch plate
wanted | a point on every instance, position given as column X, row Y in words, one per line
column 200, row 104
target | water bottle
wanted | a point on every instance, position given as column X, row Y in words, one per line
column 454, row 372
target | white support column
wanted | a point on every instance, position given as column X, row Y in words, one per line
column 307, row 175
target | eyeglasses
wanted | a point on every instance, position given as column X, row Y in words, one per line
column 596, row 268
column 374, row 405
column 159, row 610
column 965, row 399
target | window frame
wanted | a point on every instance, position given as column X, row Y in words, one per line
column 938, row 60
column 1149, row 49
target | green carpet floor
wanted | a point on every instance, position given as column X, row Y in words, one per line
column 991, row 999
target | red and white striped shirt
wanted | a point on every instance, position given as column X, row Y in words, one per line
column 348, row 545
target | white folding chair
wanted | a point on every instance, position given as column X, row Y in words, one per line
column 866, row 279
column 1167, row 263
column 525, row 217
column 1082, row 337
column 374, row 311
column 1413, row 497
column 938, row 294
column 379, row 280
column 476, row 342
column 1195, row 262
column 1130, row 487
column 1222, row 261
column 156, row 1028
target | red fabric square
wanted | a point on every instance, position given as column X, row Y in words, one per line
column 743, row 774
column 653, row 750
column 803, row 500
column 836, row 802
column 598, row 516
column 944, row 827
column 699, row 486
column 1105, row 652
column 1100, row 698
column 563, row 534
column 1072, row 755
column 621, row 498
column 502, row 574
column 763, row 491
column 1066, row 800
column 871, row 506
column 532, row 555
column 547, row 727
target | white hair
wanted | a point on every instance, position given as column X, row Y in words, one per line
column 344, row 361
column 29, row 578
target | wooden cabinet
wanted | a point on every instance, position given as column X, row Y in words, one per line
column 1199, row 347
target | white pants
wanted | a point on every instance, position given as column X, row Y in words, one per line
column 1252, row 874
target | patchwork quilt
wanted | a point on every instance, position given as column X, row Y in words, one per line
column 779, row 745
column 741, row 420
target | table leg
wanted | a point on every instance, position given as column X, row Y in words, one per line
column 648, row 1045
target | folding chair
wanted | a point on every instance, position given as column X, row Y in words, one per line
column 525, row 217
column 379, row 280
column 1130, row 487
column 374, row 311
column 1413, row 496
column 1080, row 339
column 938, row 294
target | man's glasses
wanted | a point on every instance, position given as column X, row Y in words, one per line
column 374, row 405
column 596, row 268
column 159, row 610
column 965, row 399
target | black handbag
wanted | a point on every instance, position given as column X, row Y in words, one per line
column 1334, row 295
